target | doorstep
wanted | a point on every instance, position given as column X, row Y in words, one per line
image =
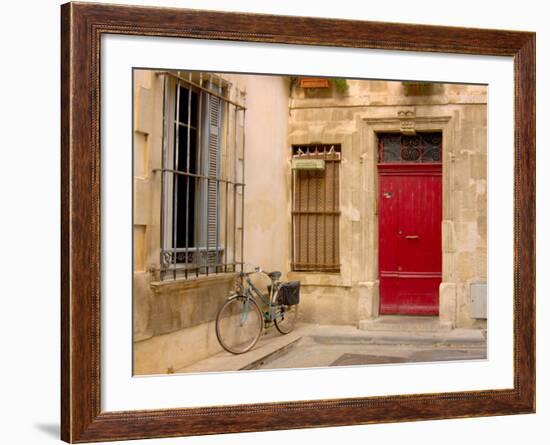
column 405, row 323
column 351, row 335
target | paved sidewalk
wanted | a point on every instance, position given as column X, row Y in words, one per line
column 321, row 346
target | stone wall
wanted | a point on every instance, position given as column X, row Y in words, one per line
column 177, row 327
column 148, row 106
column 174, row 319
column 353, row 118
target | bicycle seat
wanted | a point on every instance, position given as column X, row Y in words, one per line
column 275, row 275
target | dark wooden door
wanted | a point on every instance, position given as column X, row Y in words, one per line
column 409, row 238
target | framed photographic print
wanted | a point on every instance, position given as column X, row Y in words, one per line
column 274, row 222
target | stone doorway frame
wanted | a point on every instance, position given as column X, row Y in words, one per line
column 403, row 120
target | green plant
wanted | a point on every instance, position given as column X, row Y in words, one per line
column 341, row 85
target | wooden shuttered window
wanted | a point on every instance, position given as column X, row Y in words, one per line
column 316, row 208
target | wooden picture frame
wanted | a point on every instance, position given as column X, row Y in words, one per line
column 82, row 26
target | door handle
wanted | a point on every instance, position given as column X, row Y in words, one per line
column 412, row 236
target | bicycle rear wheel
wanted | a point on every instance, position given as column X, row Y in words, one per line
column 285, row 320
column 239, row 324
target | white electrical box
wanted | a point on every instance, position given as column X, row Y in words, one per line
column 478, row 300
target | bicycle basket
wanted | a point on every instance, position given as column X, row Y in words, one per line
column 289, row 293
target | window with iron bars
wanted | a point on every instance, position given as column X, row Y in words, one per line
column 202, row 177
column 316, row 208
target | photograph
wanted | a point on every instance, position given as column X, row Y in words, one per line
column 275, row 221
column 286, row 222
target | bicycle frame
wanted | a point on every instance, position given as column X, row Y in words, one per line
column 253, row 292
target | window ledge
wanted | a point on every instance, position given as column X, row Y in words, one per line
column 190, row 283
column 329, row 279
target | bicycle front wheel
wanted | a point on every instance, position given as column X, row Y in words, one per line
column 239, row 324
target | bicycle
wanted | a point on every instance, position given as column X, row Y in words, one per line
column 240, row 321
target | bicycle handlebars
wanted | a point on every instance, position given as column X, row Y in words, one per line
column 257, row 269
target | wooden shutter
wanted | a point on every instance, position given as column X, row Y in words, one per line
column 213, row 171
column 316, row 211
column 212, row 123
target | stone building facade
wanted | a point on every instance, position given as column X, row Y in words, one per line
column 354, row 119
column 174, row 314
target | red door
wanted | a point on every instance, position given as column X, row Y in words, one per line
column 409, row 238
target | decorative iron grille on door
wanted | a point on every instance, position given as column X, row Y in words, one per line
column 202, row 177
column 316, row 207
column 421, row 147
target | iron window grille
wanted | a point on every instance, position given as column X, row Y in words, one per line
column 400, row 148
column 202, row 185
column 316, row 210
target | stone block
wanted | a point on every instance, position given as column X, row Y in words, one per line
column 141, row 306
column 142, row 201
column 480, row 139
column 142, row 78
column 317, row 132
column 185, row 303
column 164, row 354
column 465, row 215
column 466, row 266
column 140, row 247
column 447, row 236
column 463, row 306
column 466, row 236
column 482, row 230
column 470, row 194
column 141, row 155
column 143, row 110
column 343, row 114
column 479, row 166
column 448, row 271
column 373, row 86
column 481, row 262
column 447, row 303
column 474, row 115
column 368, row 300
column 328, row 305
column 461, row 171
column 481, row 190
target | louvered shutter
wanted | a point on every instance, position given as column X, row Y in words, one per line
column 212, row 122
column 316, row 211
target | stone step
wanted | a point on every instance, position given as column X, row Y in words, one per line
column 457, row 337
column 405, row 323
